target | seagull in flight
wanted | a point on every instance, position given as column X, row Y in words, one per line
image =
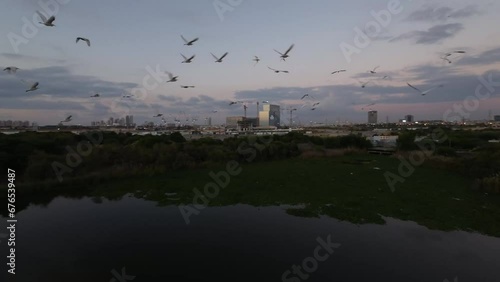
column 426, row 91
column 189, row 43
column 33, row 86
column 445, row 56
column 219, row 60
column 83, row 39
column 171, row 77
column 158, row 115
column 363, row 84
column 11, row 69
column 127, row 96
column 278, row 71
column 371, row 104
column 306, row 95
column 232, row 103
column 285, row 55
column 338, row 71
column 256, row 60
column 68, row 119
column 187, row 86
column 374, row 70
column 95, row 95
column 45, row 21
column 187, row 60
column 315, row 104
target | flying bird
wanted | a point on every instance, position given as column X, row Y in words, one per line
column 96, row 95
column 285, row 55
column 315, row 104
column 127, row 96
column 189, row 43
column 45, row 21
column 445, row 58
column 219, row 60
column 11, row 69
column 158, row 115
column 374, row 70
column 426, row 91
column 338, row 71
column 187, row 86
column 187, row 60
column 278, row 71
column 33, row 86
column 305, row 95
column 83, row 39
column 68, row 119
column 171, row 77
column 256, row 60
column 363, row 84
column 232, row 103
column 371, row 104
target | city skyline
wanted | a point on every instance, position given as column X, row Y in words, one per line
column 407, row 49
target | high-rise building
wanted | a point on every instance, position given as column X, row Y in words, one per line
column 232, row 122
column 270, row 116
column 409, row 118
column 372, row 117
column 496, row 118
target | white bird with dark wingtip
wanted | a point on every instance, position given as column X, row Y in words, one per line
column 45, row 21
column 374, row 70
column 426, row 91
column 219, row 60
column 158, row 115
column 83, row 39
column 371, row 104
column 189, row 43
column 33, row 86
column 338, row 71
column 256, row 60
column 187, row 60
column 171, row 77
column 68, row 119
column 285, row 55
column 187, row 86
column 363, row 84
column 95, row 95
column 11, row 69
column 278, row 71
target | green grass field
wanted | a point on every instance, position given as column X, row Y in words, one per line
column 347, row 188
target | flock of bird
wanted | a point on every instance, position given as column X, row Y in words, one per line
column 49, row 22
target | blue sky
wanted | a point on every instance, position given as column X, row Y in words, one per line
column 130, row 37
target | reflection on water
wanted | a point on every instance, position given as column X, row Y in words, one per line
column 81, row 240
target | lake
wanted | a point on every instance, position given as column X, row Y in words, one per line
column 132, row 239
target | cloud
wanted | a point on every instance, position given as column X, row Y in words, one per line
column 433, row 35
column 435, row 14
column 485, row 58
column 59, row 82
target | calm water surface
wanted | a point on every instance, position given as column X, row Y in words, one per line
column 80, row 240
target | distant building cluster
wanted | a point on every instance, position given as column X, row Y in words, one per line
column 496, row 118
column 269, row 116
column 15, row 123
column 127, row 121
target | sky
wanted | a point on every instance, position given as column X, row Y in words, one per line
column 133, row 44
